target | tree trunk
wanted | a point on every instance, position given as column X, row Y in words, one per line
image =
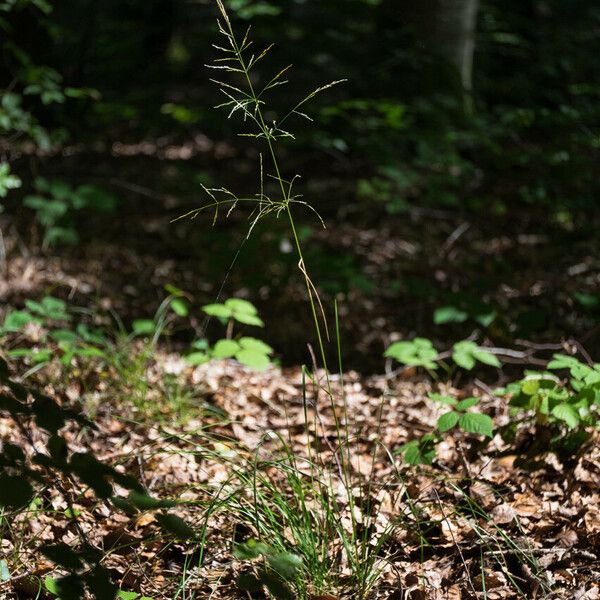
column 447, row 28
column 454, row 35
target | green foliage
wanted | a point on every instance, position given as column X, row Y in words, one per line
column 467, row 353
column 249, row 351
column 57, row 339
column 420, row 451
column 57, row 204
column 8, row 181
column 237, row 309
column 22, row 478
column 277, row 570
column 572, row 404
column 463, row 309
column 459, row 415
column 420, row 352
column 417, row 353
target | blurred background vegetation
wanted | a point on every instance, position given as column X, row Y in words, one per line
column 456, row 169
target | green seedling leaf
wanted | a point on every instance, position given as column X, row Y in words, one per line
column 143, row 326
column 418, row 352
column 247, row 319
column 218, row 310
column 200, row 344
column 449, row 314
column 476, row 423
column 17, row 319
column 447, row 421
column 64, row 335
column 250, row 343
column 449, row 400
column 50, row 585
column 127, row 595
column 180, row 307
column 49, row 308
column 225, row 349
column 530, row 387
column 197, row 358
column 463, row 359
column 466, row 353
column 253, row 359
column 36, row 356
column 241, row 307
column 487, row 358
column 568, row 414
column 466, row 403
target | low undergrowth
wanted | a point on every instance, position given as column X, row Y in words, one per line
column 310, row 493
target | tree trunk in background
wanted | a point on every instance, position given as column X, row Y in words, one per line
column 447, row 28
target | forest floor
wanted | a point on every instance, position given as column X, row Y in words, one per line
column 486, row 520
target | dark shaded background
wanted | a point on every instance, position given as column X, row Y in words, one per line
column 486, row 209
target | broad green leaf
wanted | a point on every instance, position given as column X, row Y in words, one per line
column 562, row 361
column 449, row 314
column 417, row 352
column 247, row 319
column 197, row 358
column 487, row 358
column 530, row 386
column 64, row 335
column 476, row 423
column 180, row 307
column 466, row 353
column 17, row 319
column 50, row 585
column 447, row 421
column 225, row 349
column 239, row 306
column 449, row 400
column 464, row 359
column 250, row 343
column 124, row 595
column 253, row 358
column 565, row 412
column 143, row 326
column 467, row 403
column 218, row 310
